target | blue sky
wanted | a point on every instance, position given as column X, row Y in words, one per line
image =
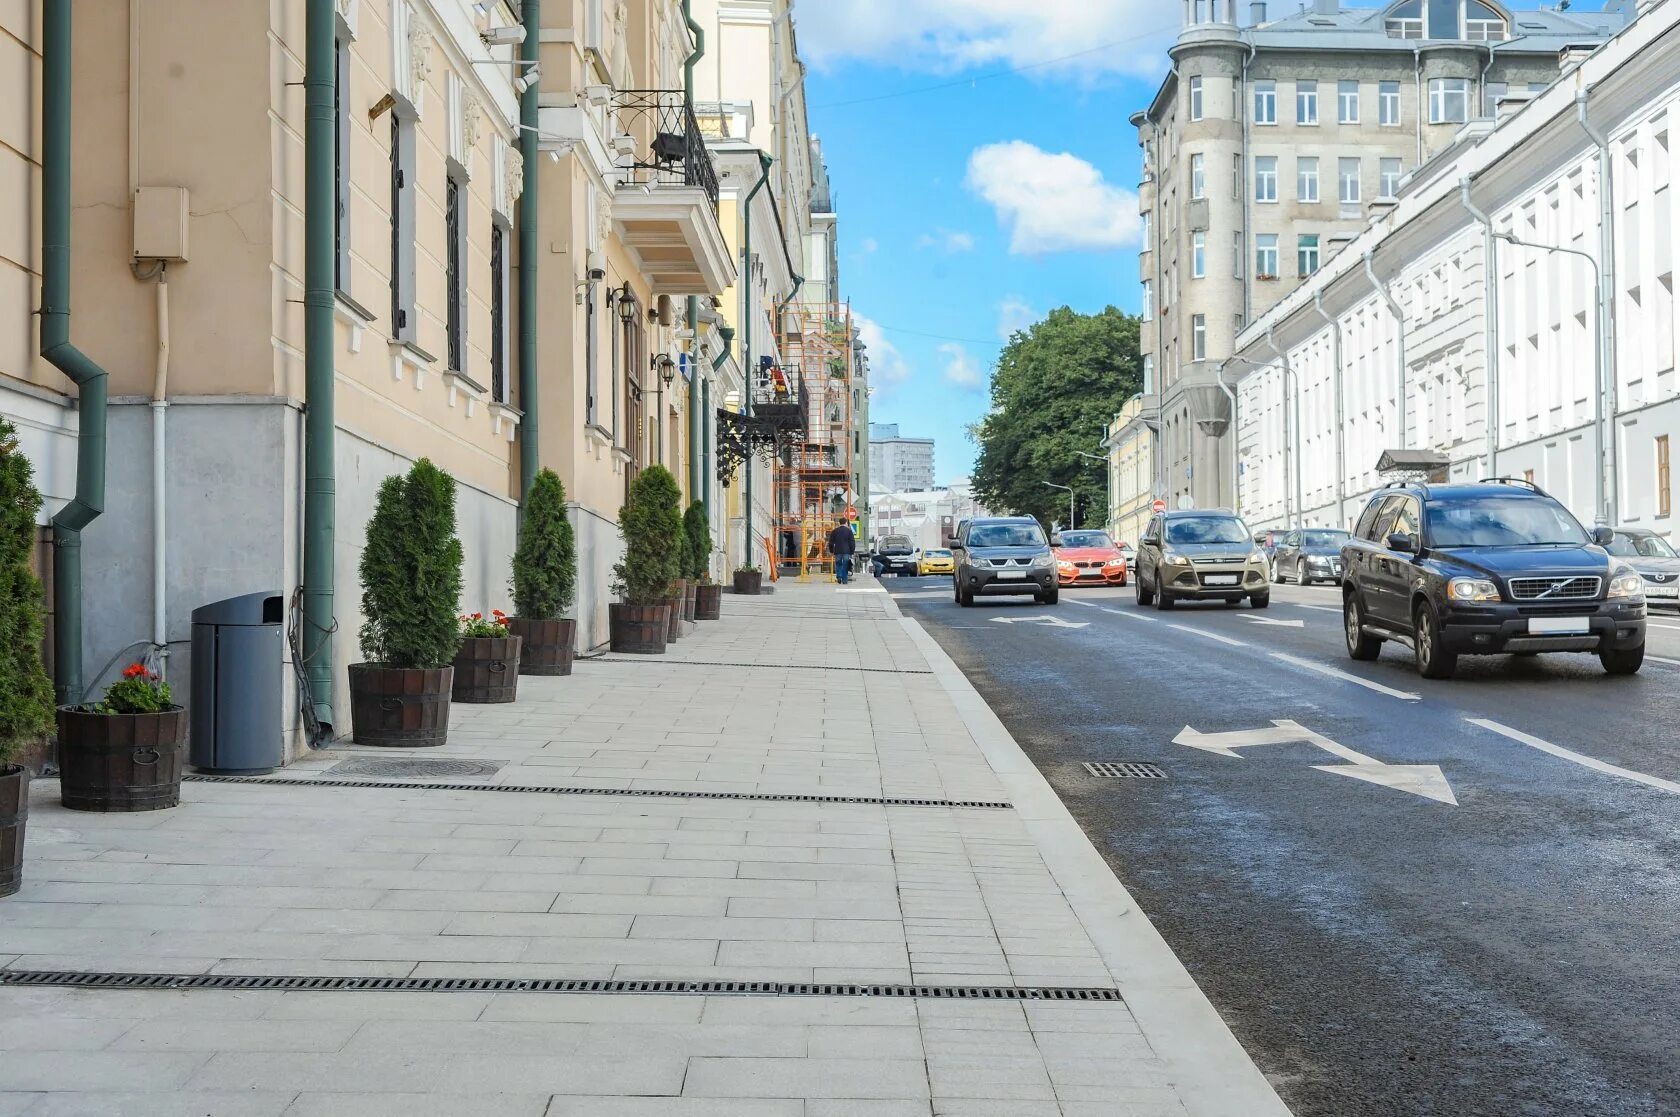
column 984, row 173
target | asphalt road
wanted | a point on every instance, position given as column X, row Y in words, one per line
column 1377, row 950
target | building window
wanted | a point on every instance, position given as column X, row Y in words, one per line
column 1448, row 100
column 1347, row 102
column 1446, row 19
column 1198, row 254
column 1306, row 254
column 1198, row 177
column 1147, row 310
column 1236, row 255
column 1266, row 256
column 455, row 254
column 1482, row 24
column 1198, row 337
column 1528, row 475
column 1196, row 98
column 500, row 273
column 1492, row 91
column 1148, row 230
column 1306, row 102
column 404, row 327
column 1665, row 480
column 1265, row 178
column 1148, row 373
column 1388, row 104
column 341, row 167
column 1265, row 102
column 1347, row 181
column 1389, row 178
column 1306, row 178
column 1236, row 177
column 591, row 359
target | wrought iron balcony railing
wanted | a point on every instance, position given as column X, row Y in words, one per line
column 659, row 141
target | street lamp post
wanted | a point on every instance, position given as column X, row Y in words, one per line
column 1069, row 491
column 1108, row 483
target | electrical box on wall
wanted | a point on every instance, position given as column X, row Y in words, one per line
column 160, row 223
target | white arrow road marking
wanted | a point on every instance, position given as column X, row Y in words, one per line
column 1047, row 621
column 1347, row 678
column 1576, row 758
column 1252, row 619
column 1425, row 780
column 1320, row 608
column 1209, row 635
column 1131, row 616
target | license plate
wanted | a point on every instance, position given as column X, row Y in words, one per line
column 1558, row 626
column 1220, row 579
column 1662, row 591
column 1012, row 574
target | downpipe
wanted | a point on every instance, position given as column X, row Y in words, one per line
column 160, row 542
column 1399, row 348
column 530, row 419
column 747, row 312
column 1490, row 314
column 1607, row 386
column 696, row 386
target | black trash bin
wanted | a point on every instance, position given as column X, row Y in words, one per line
column 237, row 652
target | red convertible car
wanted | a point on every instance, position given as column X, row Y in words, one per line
column 1089, row 558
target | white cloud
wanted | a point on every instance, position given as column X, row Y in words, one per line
column 947, row 241
column 1084, row 39
column 1014, row 314
column 960, row 368
column 1052, row 202
column 870, row 244
column 887, row 366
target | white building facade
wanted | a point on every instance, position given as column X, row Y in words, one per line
column 1406, row 311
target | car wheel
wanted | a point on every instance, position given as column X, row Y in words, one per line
column 1163, row 600
column 1053, row 597
column 1277, row 574
column 1261, row 601
column 1622, row 661
column 1145, row 595
column 1360, row 644
column 965, row 598
column 1434, row 661
column 1301, row 578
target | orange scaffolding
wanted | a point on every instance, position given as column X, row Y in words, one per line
column 813, row 475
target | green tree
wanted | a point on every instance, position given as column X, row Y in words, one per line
column 651, row 526
column 1056, row 388
column 545, row 562
column 26, row 697
column 411, row 572
column 699, row 532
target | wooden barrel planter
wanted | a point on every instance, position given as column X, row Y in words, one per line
column 486, row 670
column 546, row 647
column 708, row 601
column 399, row 707
column 749, row 581
column 639, row 629
column 690, row 587
column 14, row 812
column 673, row 618
column 120, row 763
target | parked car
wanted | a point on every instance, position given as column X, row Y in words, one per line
column 1088, row 558
column 1655, row 560
column 1003, row 555
column 937, row 560
column 1200, row 555
column 893, row 554
column 1481, row 569
column 1309, row 555
column 1127, row 553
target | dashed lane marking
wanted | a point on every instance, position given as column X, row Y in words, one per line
column 1322, row 669
column 1576, row 758
column 1209, row 635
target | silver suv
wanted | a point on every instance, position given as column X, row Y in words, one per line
column 1003, row 555
column 1200, row 555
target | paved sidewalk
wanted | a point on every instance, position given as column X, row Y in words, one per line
column 666, row 858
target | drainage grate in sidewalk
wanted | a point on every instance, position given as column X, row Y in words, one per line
column 69, row 979
column 401, row 768
column 1126, row 770
column 658, row 662
column 541, row 789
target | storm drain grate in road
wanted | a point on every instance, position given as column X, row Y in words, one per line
column 1125, row 770
column 67, row 979
column 406, row 768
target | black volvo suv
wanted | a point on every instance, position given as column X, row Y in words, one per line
column 1484, row 569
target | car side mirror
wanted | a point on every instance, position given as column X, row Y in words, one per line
column 1404, row 542
column 1150, row 540
column 1603, row 535
column 951, row 542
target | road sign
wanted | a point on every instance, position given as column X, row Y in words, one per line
column 1159, row 506
column 1046, row 620
column 851, row 512
column 1425, row 780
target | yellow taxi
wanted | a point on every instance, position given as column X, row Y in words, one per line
column 937, row 560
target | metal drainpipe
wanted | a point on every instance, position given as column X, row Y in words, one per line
column 1341, row 429
column 1246, row 111
column 1607, row 393
column 530, row 422
column 1399, row 346
column 319, row 470
column 696, row 387
column 764, row 162
column 727, row 334
column 1292, row 430
column 1422, row 109
column 89, row 378
column 1490, row 312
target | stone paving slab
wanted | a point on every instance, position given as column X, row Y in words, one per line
column 412, row 882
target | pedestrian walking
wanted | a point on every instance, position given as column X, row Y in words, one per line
column 842, row 544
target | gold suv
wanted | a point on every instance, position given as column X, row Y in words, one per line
column 1200, row 555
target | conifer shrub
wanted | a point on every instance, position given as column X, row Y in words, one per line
column 26, row 696
column 545, row 563
column 411, row 572
column 651, row 526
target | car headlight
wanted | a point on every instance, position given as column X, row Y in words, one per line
column 1039, row 562
column 1259, row 558
column 1175, row 560
column 1115, row 562
column 1063, row 564
column 1625, row 583
column 1473, row 589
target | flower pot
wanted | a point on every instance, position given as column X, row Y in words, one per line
column 399, row 707
column 120, row 763
column 546, row 647
column 639, row 629
column 486, row 670
column 749, row 581
column 708, row 601
column 689, row 590
column 674, row 618
column 14, row 812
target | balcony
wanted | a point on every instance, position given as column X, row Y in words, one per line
column 666, row 203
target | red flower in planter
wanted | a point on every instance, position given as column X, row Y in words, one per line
column 135, row 671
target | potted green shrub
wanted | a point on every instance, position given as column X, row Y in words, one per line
column 411, row 582
column 486, row 664
column 545, row 581
column 123, row 753
column 749, row 579
column 26, row 703
column 708, row 595
column 640, row 622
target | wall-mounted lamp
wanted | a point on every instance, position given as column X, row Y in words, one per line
column 665, row 367
column 626, row 305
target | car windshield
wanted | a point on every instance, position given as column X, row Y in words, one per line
column 895, row 543
column 1006, row 535
column 1087, row 539
column 1207, row 529
column 938, row 554
column 1511, row 521
column 1324, row 538
column 1640, row 546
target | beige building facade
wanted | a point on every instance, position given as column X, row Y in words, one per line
column 1130, row 442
